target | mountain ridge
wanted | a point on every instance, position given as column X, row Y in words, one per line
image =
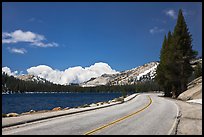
column 145, row 72
column 127, row 77
column 30, row 77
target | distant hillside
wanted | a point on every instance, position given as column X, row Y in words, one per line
column 145, row 72
column 33, row 78
column 25, row 83
column 140, row 78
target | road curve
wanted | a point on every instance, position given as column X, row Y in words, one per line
column 146, row 114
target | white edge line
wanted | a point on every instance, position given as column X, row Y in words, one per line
column 171, row 131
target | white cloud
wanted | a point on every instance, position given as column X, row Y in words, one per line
column 16, row 50
column 76, row 74
column 41, row 44
column 28, row 36
column 156, row 30
column 8, row 71
column 35, row 20
column 171, row 13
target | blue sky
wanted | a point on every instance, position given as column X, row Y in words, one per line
column 63, row 35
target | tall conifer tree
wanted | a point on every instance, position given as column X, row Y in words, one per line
column 184, row 52
column 160, row 77
column 175, row 56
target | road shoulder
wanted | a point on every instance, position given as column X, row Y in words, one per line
column 189, row 121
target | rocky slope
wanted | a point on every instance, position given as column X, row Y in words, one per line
column 196, row 61
column 128, row 77
column 194, row 90
column 29, row 77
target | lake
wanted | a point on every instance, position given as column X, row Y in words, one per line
column 25, row 102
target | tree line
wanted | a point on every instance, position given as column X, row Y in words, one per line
column 10, row 83
column 175, row 69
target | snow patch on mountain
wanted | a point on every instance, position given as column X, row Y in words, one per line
column 128, row 77
column 151, row 70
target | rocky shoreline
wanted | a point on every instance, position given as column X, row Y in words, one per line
column 13, row 114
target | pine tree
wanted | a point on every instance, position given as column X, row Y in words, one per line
column 171, row 66
column 175, row 56
column 183, row 54
column 159, row 75
column 163, row 76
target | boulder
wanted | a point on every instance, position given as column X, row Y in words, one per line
column 66, row 108
column 31, row 111
column 93, row 105
column 100, row 103
column 195, row 82
column 85, row 105
column 57, row 108
column 193, row 93
column 12, row 114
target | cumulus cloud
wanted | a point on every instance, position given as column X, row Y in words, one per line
column 76, row 74
column 7, row 70
column 156, row 30
column 16, row 50
column 27, row 36
column 171, row 13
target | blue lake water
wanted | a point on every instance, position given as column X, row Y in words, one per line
column 20, row 103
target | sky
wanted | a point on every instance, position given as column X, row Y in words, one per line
column 64, row 35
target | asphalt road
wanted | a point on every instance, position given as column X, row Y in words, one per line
column 146, row 114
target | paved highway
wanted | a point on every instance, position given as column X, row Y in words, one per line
column 146, row 114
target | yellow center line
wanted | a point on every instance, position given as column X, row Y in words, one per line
column 118, row 120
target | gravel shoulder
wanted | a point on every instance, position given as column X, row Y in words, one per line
column 189, row 119
column 190, row 107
